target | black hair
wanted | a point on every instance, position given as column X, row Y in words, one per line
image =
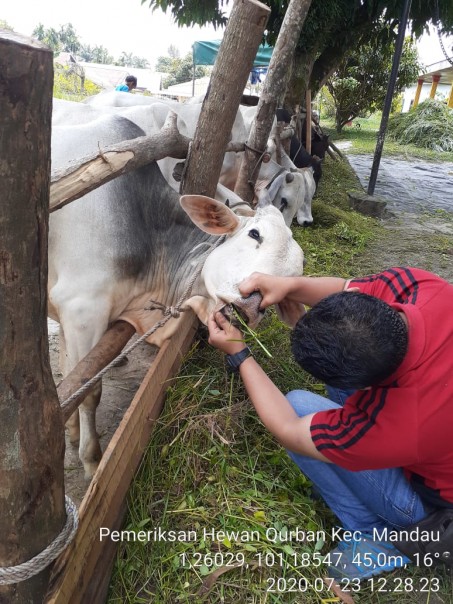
column 350, row 340
column 131, row 78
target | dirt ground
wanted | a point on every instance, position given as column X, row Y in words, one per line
column 413, row 240
column 118, row 389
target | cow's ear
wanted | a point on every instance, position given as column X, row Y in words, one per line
column 210, row 215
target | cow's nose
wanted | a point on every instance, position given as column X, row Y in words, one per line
column 307, row 223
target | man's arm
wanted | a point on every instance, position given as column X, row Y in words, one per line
column 276, row 413
column 307, row 290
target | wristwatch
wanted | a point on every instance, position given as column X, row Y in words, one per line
column 234, row 361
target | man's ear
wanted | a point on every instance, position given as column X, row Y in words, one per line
column 290, row 312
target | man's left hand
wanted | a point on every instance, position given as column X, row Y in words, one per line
column 223, row 335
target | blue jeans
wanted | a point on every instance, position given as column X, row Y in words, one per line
column 361, row 500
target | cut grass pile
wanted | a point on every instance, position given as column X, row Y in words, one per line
column 362, row 135
column 429, row 125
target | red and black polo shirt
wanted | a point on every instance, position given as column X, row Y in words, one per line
column 408, row 421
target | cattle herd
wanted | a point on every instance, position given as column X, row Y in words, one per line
column 134, row 239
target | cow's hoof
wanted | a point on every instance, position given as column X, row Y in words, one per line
column 90, row 469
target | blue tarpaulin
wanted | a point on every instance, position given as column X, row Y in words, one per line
column 205, row 53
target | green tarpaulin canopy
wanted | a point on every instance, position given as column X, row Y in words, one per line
column 205, row 53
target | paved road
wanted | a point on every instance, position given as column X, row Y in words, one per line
column 410, row 186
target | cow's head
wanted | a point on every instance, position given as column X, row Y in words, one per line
column 258, row 241
column 291, row 192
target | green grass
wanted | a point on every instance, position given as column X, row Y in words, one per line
column 363, row 136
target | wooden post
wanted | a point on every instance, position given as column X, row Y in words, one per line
column 108, row 348
column 244, row 31
column 432, row 93
column 32, row 511
column 417, row 92
column 308, row 121
column 273, row 88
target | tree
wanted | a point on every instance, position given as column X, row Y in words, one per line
column 140, row 62
column 332, row 29
column 126, row 59
column 69, row 39
column 173, row 51
column 101, row 55
column 48, row 36
column 360, row 84
column 164, row 64
column 86, row 53
column 5, row 25
column 180, row 70
column 66, row 39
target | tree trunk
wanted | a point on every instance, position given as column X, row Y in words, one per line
column 299, row 81
column 32, row 509
column 244, row 32
column 276, row 81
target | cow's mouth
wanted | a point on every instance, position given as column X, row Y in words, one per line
column 244, row 310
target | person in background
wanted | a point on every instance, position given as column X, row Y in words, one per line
column 131, row 83
column 379, row 449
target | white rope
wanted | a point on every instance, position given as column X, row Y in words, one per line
column 22, row 572
column 168, row 312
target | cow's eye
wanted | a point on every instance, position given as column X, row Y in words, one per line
column 254, row 234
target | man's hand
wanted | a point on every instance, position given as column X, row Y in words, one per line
column 273, row 289
column 223, row 335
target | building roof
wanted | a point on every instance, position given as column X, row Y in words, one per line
column 109, row 76
column 443, row 68
column 185, row 88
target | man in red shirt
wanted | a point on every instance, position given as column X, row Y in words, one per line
column 379, row 451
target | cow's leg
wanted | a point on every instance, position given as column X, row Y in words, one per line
column 89, row 448
column 82, row 330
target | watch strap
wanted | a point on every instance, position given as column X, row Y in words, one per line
column 234, row 361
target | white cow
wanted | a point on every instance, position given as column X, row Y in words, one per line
column 150, row 113
column 130, row 241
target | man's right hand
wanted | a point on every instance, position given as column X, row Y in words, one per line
column 273, row 289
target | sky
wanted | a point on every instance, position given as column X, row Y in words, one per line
column 126, row 25
column 118, row 25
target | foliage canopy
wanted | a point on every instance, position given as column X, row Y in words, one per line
column 179, row 69
column 359, row 86
column 332, row 29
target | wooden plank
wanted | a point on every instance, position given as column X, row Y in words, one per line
column 87, row 559
column 108, row 348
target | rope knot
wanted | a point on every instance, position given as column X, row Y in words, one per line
column 172, row 311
